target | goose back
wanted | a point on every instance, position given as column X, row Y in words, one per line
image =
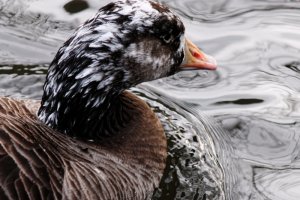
column 37, row 162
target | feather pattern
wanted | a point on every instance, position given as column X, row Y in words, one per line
column 125, row 43
column 37, row 162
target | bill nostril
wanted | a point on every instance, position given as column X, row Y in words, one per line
column 197, row 55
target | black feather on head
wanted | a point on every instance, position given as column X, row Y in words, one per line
column 125, row 43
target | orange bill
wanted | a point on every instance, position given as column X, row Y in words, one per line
column 195, row 58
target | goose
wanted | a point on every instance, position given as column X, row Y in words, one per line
column 89, row 137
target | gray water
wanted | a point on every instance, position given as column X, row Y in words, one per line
column 241, row 122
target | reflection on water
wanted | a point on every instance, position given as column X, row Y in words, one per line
column 186, row 80
column 76, row 6
column 250, row 150
column 192, row 172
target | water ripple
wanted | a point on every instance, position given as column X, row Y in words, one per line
column 192, row 170
column 285, row 182
column 191, row 79
column 210, row 11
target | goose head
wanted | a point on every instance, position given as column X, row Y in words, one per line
column 125, row 43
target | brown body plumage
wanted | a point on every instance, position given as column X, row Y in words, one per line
column 37, row 162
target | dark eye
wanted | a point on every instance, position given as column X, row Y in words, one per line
column 178, row 36
column 167, row 38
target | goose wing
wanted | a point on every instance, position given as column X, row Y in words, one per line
column 27, row 171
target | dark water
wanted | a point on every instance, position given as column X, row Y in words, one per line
column 248, row 147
